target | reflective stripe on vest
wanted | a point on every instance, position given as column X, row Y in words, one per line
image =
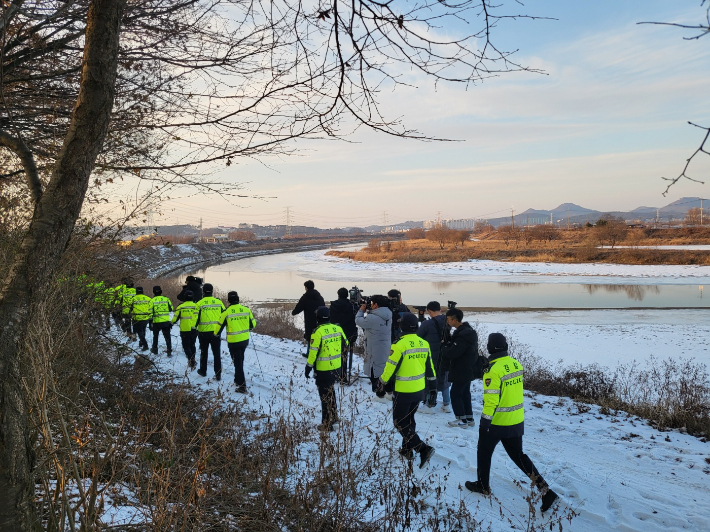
column 412, row 378
column 237, row 332
column 509, row 408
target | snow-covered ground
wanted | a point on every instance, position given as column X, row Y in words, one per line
column 607, row 337
column 617, row 473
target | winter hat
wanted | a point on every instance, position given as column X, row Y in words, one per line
column 233, row 298
column 496, row 343
column 409, row 323
column 208, row 288
column 139, row 289
column 157, row 290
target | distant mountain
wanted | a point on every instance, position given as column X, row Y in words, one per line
column 572, row 208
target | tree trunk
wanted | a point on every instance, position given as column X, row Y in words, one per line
column 40, row 252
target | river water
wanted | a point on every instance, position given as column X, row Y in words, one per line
column 280, row 277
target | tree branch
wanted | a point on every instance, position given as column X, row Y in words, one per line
column 683, row 174
column 18, row 146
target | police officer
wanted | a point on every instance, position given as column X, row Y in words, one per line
column 209, row 309
column 187, row 314
column 238, row 320
column 140, row 312
column 409, row 362
column 127, row 295
column 162, row 307
column 327, row 344
column 502, row 419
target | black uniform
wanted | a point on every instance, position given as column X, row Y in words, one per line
column 342, row 312
column 460, row 358
column 308, row 304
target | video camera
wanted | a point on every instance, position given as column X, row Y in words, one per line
column 358, row 299
column 421, row 313
column 452, row 304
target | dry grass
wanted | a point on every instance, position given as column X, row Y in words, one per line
column 570, row 246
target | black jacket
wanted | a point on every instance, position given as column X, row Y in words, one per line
column 342, row 312
column 459, row 355
column 308, row 304
column 195, row 288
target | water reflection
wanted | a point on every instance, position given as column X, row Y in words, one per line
column 634, row 292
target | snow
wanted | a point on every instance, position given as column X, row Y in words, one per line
column 617, row 473
column 321, row 266
column 607, row 337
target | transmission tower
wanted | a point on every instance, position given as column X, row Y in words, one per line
column 289, row 233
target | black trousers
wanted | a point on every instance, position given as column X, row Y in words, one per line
column 163, row 327
column 461, row 400
column 126, row 323
column 487, row 442
column 188, row 339
column 328, row 403
column 404, row 406
column 210, row 340
column 236, row 351
column 139, row 328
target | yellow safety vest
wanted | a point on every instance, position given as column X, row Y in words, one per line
column 209, row 309
column 239, row 321
column 141, row 307
column 328, row 342
column 187, row 314
column 162, row 307
column 408, row 361
column 503, row 392
column 127, row 296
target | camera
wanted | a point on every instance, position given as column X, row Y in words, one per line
column 355, row 295
column 452, row 304
column 421, row 312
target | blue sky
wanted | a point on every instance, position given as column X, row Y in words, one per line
column 603, row 125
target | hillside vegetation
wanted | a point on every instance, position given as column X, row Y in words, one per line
column 611, row 243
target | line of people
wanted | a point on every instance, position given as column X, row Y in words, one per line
column 421, row 361
column 202, row 319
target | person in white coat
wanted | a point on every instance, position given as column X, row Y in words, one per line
column 377, row 326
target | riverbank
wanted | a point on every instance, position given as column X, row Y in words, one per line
column 571, row 247
column 159, row 261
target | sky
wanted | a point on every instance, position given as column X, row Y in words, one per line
column 600, row 128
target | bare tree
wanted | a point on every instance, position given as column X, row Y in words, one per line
column 699, row 30
column 416, row 233
column 439, row 234
column 692, row 217
column 193, row 84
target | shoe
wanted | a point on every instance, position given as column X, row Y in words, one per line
column 144, row 348
column 202, row 373
column 458, row 423
column 471, row 422
column 241, row 388
column 407, row 454
column 426, row 410
column 548, row 500
column 169, row 354
column 154, row 350
column 446, row 408
column 218, row 377
column 425, row 455
column 477, row 487
column 191, row 364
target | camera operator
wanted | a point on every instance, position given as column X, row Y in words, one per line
column 432, row 330
column 308, row 304
column 194, row 285
column 342, row 312
column 398, row 310
column 459, row 356
column 377, row 327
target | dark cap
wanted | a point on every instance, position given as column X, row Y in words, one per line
column 409, row 323
column 139, row 289
column 157, row 290
column 233, row 298
column 323, row 314
column 208, row 288
column 189, row 295
column 496, row 343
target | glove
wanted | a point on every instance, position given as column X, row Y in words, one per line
column 308, row 371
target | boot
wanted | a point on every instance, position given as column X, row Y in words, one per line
column 548, row 500
column 407, row 454
column 425, row 454
column 477, row 487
